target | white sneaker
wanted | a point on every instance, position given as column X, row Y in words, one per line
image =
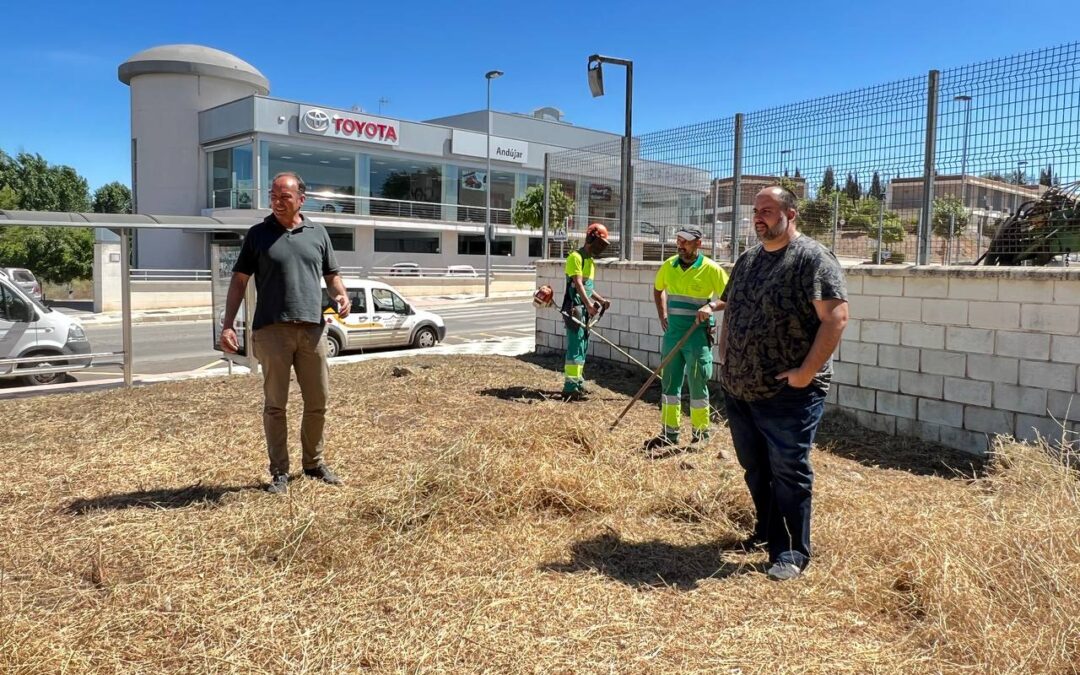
column 784, row 571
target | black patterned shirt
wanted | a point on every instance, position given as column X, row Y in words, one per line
column 770, row 317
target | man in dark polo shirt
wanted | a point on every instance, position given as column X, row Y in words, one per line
column 786, row 310
column 287, row 254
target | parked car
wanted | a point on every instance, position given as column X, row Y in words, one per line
column 25, row 280
column 29, row 328
column 380, row 317
column 461, row 271
column 405, row 269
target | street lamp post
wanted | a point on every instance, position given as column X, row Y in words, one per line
column 1020, row 164
column 626, row 194
column 966, row 100
column 489, row 76
column 782, row 168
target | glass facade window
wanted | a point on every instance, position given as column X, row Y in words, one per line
column 407, row 241
column 535, row 248
column 603, row 203
column 232, row 182
column 342, row 238
column 405, row 188
column 330, row 174
column 473, row 244
column 471, row 196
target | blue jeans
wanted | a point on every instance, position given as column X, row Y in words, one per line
column 772, row 440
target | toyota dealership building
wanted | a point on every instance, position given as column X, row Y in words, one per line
column 207, row 138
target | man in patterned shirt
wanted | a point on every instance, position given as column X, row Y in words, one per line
column 786, row 310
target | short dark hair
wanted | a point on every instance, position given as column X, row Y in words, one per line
column 301, row 186
column 788, row 199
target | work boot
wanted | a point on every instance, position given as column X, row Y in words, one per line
column 661, row 445
column 323, row 473
column 279, row 484
column 575, row 395
column 700, row 437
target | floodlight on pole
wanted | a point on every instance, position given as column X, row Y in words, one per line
column 626, row 194
column 782, row 168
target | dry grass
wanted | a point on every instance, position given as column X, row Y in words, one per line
column 487, row 528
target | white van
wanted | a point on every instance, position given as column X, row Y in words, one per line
column 380, row 317
column 29, row 328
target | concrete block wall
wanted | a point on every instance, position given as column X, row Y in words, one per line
column 630, row 323
column 951, row 355
column 957, row 355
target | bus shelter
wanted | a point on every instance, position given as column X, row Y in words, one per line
column 117, row 229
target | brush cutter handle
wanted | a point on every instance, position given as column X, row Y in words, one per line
column 609, row 342
column 656, row 373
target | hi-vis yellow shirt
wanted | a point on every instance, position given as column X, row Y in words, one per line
column 579, row 265
column 689, row 289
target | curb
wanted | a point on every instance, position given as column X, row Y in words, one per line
column 152, row 318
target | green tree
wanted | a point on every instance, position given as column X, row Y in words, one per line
column 528, row 211
column 852, row 188
column 876, row 190
column 949, row 212
column 112, row 198
column 1047, row 177
column 828, row 182
column 788, row 184
column 816, row 215
column 41, row 186
column 9, row 199
column 55, row 254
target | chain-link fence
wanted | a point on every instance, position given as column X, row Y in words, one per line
column 935, row 169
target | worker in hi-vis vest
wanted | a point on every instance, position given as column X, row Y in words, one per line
column 686, row 292
column 580, row 303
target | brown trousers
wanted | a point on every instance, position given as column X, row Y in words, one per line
column 280, row 348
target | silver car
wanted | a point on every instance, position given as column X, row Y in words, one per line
column 25, row 280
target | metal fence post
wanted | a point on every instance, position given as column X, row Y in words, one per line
column 736, row 186
column 928, row 167
column 547, row 206
column 715, row 216
column 835, row 218
column 125, row 304
column 949, row 241
column 880, row 229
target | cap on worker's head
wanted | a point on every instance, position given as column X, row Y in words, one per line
column 689, row 233
column 596, row 231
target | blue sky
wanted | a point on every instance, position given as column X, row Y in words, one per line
column 694, row 61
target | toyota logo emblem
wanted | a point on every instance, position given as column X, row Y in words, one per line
column 316, row 120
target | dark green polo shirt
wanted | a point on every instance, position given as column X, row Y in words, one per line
column 287, row 265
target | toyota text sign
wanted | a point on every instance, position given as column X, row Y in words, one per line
column 350, row 126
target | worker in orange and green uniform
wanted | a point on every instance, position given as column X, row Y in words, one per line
column 581, row 301
column 684, row 291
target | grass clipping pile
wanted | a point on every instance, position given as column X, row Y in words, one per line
column 486, row 527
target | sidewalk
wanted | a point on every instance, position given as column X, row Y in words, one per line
column 205, row 313
column 503, row 347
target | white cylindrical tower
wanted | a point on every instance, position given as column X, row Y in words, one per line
column 170, row 85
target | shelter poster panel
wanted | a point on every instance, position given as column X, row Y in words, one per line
column 222, row 259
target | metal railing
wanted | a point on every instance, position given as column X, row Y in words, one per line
column 343, row 203
column 399, row 271
column 153, row 274
column 58, row 363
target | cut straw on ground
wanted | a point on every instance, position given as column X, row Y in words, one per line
column 487, row 526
